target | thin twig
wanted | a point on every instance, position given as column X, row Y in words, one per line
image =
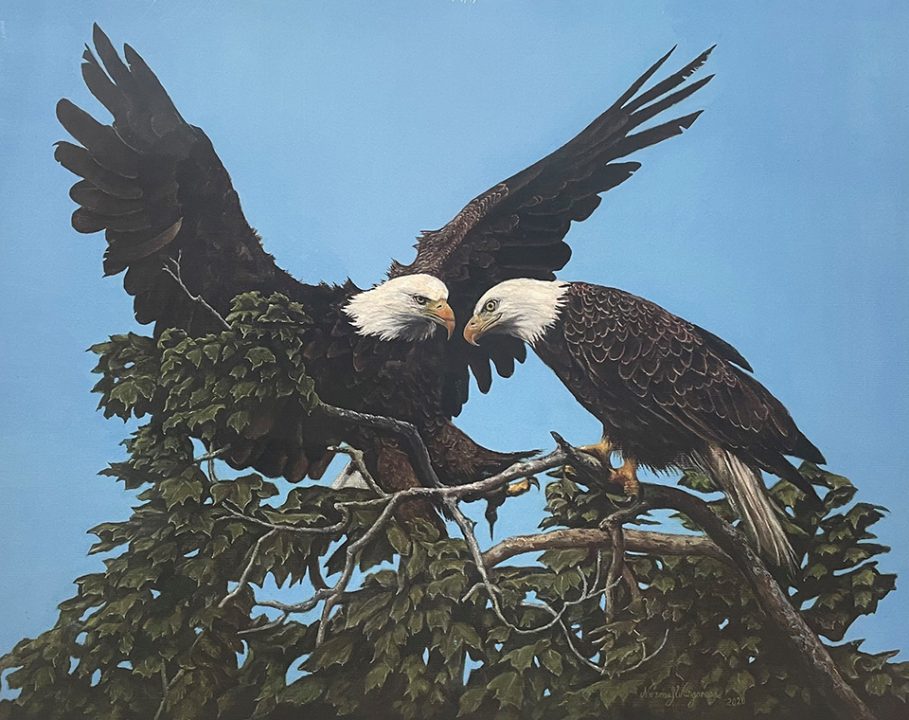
column 631, row 582
column 343, row 508
column 212, row 474
column 267, row 626
column 466, row 526
column 172, row 268
column 244, row 578
column 356, row 459
column 645, row 657
column 569, row 636
column 209, row 456
column 330, row 603
column 165, row 687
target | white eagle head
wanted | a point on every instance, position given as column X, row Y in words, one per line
column 409, row 307
column 523, row 307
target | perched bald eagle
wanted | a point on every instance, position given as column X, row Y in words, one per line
column 155, row 185
column 669, row 393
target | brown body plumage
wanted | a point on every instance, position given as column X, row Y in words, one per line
column 664, row 387
column 668, row 393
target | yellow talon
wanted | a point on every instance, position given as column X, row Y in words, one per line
column 628, row 476
column 602, row 451
column 518, row 488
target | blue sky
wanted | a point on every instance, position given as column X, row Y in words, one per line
column 779, row 221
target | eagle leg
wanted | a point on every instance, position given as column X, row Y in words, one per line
column 602, row 451
column 628, row 476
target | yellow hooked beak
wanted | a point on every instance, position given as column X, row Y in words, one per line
column 476, row 326
column 441, row 313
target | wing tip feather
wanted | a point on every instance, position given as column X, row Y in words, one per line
column 687, row 121
column 63, row 104
column 132, row 56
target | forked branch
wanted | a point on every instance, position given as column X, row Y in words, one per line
column 725, row 544
column 822, row 672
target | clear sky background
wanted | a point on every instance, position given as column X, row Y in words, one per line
column 779, row 221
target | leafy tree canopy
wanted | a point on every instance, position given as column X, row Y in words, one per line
column 177, row 624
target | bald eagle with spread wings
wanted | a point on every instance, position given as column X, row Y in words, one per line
column 154, row 184
column 669, row 394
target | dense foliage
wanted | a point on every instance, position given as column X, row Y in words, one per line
column 172, row 628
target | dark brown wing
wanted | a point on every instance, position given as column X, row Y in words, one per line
column 673, row 372
column 157, row 188
column 517, row 228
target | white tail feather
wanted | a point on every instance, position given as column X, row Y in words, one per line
column 745, row 490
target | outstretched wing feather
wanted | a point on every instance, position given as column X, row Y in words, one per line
column 517, row 228
column 157, row 188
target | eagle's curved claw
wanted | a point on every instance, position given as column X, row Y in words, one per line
column 601, row 451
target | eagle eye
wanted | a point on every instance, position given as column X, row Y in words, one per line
column 491, row 305
column 420, row 299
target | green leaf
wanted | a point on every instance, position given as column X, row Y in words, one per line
column 470, row 701
column 521, row 658
column 195, row 356
column 398, row 540
column 335, row 651
column 376, row 676
column 438, row 618
column 177, row 491
column 560, row 560
column 817, row 571
column 878, row 684
column 507, row 689
column 259, row 356
column 740, row 682
column 466, row 633
column 664, row 583
column 304, row 691
column 552, row 661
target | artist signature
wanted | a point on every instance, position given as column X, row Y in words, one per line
column 687, row 695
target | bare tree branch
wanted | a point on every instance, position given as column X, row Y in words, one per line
column 209, row 456
column 356, row 459
column 821, row 670
column 342, row 507
column 645, row 656
column 250, row 566
column 165, row 689
column 727, row 545
column 418, row 452
column 640, row 541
